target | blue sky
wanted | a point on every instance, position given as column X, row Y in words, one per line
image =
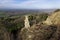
column 30, row 4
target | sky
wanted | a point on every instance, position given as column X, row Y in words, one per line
column 29, row 4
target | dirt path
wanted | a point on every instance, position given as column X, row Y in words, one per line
column 26, row 22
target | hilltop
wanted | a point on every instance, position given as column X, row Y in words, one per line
column 54, row 18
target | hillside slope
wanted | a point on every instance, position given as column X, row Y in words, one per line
column 53, row 19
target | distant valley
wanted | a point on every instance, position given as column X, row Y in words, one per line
column 25, row 11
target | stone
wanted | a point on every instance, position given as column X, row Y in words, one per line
column 53, row 19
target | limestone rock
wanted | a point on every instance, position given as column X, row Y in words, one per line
column 53, row 19
column 26, row 22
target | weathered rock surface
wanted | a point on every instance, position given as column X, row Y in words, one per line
column 26, row 22
column 53, row 19
column 37, row 32
column 48, row 30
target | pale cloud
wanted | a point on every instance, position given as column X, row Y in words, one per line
column 30, row 4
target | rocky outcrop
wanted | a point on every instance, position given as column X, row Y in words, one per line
column 48, row 30
column 54, row 19
column 27, row 25
column 37, row 32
